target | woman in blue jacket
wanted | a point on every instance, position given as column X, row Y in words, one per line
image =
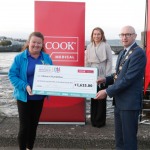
column 21, row 75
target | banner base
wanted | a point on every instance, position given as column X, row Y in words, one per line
column 63, row 123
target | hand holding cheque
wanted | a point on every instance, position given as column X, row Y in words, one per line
column 29, row 90
column 102, row 93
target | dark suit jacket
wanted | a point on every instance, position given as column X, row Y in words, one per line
column 127, row 89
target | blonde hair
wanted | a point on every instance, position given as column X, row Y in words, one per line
column 102, row 33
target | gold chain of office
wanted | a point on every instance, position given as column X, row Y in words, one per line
column 115, row 75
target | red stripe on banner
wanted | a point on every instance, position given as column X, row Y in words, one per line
column 63, row 26
column 147, row 71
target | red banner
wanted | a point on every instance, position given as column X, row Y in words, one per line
column 147, row 71
column 63, row 26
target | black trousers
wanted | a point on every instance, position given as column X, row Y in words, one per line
column 98, row 111
column 29, row 114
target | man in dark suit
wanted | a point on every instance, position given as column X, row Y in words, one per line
column 126, row 88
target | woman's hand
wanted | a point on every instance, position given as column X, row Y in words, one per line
column 28, row 88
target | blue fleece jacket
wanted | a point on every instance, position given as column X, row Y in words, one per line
column 18, row 74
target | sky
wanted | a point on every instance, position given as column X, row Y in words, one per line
column 17, row 17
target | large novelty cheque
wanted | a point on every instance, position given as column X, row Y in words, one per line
column 65, row 81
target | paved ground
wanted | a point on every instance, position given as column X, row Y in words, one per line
column 65, row 137
column 15, row 148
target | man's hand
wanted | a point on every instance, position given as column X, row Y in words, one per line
column 101, row 80
column 101, row 95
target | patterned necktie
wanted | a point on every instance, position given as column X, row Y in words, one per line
column 122, row 56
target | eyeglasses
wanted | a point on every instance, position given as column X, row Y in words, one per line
column 127, row 35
